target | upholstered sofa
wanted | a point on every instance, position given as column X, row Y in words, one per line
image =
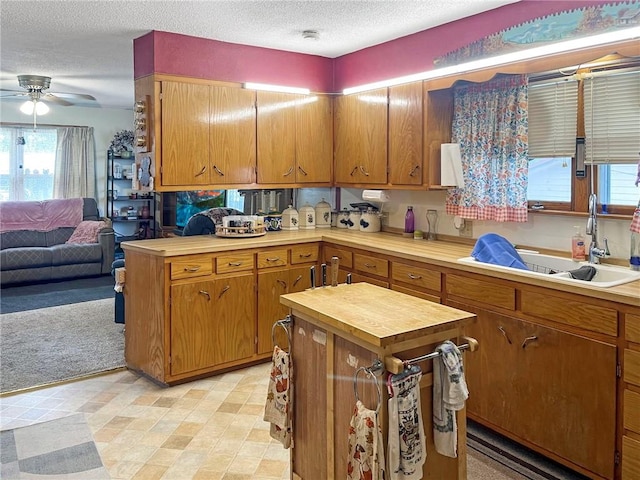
column 41, row 252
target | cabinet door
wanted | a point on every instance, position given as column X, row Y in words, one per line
column 185, row 134
column 271, row 284
column 212, row 322
column 361, row 138
column 545, row 386
column 233, row 135
column 276, row 137
column 405, row 134
column 314, row 139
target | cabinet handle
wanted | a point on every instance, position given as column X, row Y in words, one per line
column 218, row 171
column 414, row 277
column 295, row 282
column 206, row 294
column 235, row 264
column 201, row 172
column 528, row 340
column 288, row 172
column 302, row 170
column 224, row 290
column 504, row 334
column 192, row 269
column 369, row 265
column 274, row 259
column 364, row 172
column 305, row 255
column 282, row 282
column 355, row 169
column 413, row 171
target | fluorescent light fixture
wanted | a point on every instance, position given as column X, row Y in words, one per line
column 560, row 47
column 28, row 107
column 275, row 88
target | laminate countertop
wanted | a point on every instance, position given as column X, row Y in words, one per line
column 440, row 253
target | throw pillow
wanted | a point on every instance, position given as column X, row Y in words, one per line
column 87, row 232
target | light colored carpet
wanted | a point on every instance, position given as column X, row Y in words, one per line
column 55, row 450
column 48, row 345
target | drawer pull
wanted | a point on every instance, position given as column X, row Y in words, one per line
column 218, row 171
column 528, row 340
column 192, row 269
column 304, row 255
column 201, row 172
column 504, row 334
column 224, row 290
column 414, row 277
column 206, row 294
column 274, row 259
column 235, row 264
column 283, row 283
column 370, row 265
column 288, row 172
column 295, row 282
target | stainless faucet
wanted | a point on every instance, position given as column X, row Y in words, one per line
column 595, row 252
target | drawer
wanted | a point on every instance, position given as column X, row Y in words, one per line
column 631, row 367
column 345, row 256
column 371, row 265
column 571, row 312
column 272, row 258
column 630, row 458
column 416, row 293
column 632, row 328
column 417, row 277
column 234, row 263
column 482, row 291
column 191, row 266
column 631, row 409
column 355, row 278
column 304, row 253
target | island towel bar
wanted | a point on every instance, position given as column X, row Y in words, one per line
column 370, row 372
column 284, row 323
column 395, row 365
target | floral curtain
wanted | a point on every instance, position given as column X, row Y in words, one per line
column 74, row 174
column 490, row 124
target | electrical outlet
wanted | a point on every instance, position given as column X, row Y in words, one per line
column 466, row 230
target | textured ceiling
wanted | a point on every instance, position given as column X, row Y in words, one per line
column 87, row 46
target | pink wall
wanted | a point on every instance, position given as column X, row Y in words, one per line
column 170, row 53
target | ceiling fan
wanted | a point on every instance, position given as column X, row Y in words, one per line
column 35, row 86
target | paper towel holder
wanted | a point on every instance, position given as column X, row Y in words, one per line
column 376, row 197
column 451, row 165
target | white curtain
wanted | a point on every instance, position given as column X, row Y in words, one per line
column 74, row 174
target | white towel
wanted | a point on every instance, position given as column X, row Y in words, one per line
column 407, row 448
column 277, row 409
column 366, row 450
column 449, row 394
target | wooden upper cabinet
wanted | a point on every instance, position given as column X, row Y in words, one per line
column 405, row 134
column 233, row 135
column 360, row 138
column 438, row 117
column 185, row 134
column 314, row 139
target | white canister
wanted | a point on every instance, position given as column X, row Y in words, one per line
column 343, row 219
column 370, row 221
column 307, row 217
column 290, row 218
column 354, row 220
column 323, row 214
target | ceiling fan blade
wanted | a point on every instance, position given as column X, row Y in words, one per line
column 11, row 93
column 73, row 95
column 49, row 97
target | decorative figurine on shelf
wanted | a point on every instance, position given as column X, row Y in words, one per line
column 122, row 143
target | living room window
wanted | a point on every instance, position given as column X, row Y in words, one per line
column 27, row 161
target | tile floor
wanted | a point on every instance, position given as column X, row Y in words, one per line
column 207, row 429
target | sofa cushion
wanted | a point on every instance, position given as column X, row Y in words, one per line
column 87, row 232
column 70, row 253
column 25, row 257
column 23, row 238
column 58, row 236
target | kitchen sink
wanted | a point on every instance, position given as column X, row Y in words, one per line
column 557, row 268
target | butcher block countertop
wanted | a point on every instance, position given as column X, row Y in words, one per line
column 379, row 316
column 440, row 253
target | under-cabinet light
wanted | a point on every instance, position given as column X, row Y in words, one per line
column 560, row 47
column 275, row 88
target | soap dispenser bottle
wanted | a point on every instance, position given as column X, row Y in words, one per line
column 577, row 246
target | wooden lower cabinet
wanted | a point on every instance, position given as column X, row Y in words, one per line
column 631, row 399
column 548, row 389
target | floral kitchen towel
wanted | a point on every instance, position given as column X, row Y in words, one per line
column 449, row 394
column 407, row 448
column 277, row 409
column 366, row 451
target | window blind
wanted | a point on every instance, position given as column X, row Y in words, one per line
column 553, row 114
column 612, row 117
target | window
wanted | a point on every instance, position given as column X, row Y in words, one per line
column 27, row 161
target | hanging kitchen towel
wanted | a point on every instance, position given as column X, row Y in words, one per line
column 449, row 394
column 277, row 409
column 366, row 451
column 407, row 448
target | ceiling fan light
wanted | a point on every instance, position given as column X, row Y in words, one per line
column 27, row 107
column 41, row 108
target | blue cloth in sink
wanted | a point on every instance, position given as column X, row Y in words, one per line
column 497, row 250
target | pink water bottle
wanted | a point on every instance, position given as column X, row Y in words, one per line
column 409, row 220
